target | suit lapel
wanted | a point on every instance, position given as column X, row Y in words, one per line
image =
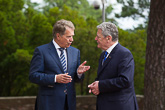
column 100, row 62
column 101, row 67
column 110, row 56
column 69, row 58
column 53, row 53
column 107, row 60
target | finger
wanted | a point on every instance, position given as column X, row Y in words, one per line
column 92, row 87
column 83, row 63
column 66, row 78
column 90, row 91
column 66, row 81
column 89, row 86
column 92, row 84
column 66, row 75
column 95, row 92
column 87, row 67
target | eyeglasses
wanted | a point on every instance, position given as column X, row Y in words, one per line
column 98, row 37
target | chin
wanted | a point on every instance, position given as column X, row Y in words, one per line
column 68, row 46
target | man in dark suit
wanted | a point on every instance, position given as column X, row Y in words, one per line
column 114, row 85
column 55, row 67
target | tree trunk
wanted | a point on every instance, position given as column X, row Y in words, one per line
column 154, row 82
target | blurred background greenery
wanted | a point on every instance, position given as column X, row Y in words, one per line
column 23, row 27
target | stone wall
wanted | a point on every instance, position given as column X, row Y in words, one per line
column 27, row 102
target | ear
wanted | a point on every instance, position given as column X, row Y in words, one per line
column 109, row 38
column 57, row 35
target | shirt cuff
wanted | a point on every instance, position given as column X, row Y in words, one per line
column 55, row 78
column 79, row 75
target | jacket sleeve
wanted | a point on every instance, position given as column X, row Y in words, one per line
column 37, row 74
column 78, row 78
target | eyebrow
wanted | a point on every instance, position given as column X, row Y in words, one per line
column 69, row 36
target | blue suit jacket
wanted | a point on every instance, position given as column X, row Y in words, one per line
column 45, row 64
column 116, row 81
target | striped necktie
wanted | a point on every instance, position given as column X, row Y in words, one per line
column 62, row 59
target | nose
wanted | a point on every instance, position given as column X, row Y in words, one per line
column 71, row 39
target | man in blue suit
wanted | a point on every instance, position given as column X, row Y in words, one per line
column 114, row 85
column 55, row 67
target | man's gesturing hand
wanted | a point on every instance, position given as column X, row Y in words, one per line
column 82, row 68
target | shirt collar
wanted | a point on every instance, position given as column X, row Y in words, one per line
column 56, row 45
column 109, row 50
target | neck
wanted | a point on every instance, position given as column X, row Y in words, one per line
column 110, row 44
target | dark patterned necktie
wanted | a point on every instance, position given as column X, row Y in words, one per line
column 62, row 59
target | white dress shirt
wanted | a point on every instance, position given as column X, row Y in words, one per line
column 109, row 50
column 59, row 52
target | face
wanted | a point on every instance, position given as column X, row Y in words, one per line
column 101, row 40
column 65, row 40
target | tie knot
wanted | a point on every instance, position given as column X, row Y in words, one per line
column 61, row 49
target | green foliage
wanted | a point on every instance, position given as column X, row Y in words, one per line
column 84, row 40
column 13, row 73
column 41, row 31
column 135, row 9
column 22, row 29
column 6, row 5
column 83, row 7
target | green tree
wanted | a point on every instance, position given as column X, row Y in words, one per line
column 40, row 31
column 135, row 9
column 15, row 80
column 83, row 7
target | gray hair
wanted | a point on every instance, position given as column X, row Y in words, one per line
column 109, row 28
column 60, row 27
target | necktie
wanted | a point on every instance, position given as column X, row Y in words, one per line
column 105, row 56
column 62, row 59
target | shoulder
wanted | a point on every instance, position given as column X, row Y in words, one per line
column 44, row 46
column 123, row 51
column 121, row 48
column 73, row 48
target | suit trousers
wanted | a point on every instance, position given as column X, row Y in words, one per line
column 66, row 103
